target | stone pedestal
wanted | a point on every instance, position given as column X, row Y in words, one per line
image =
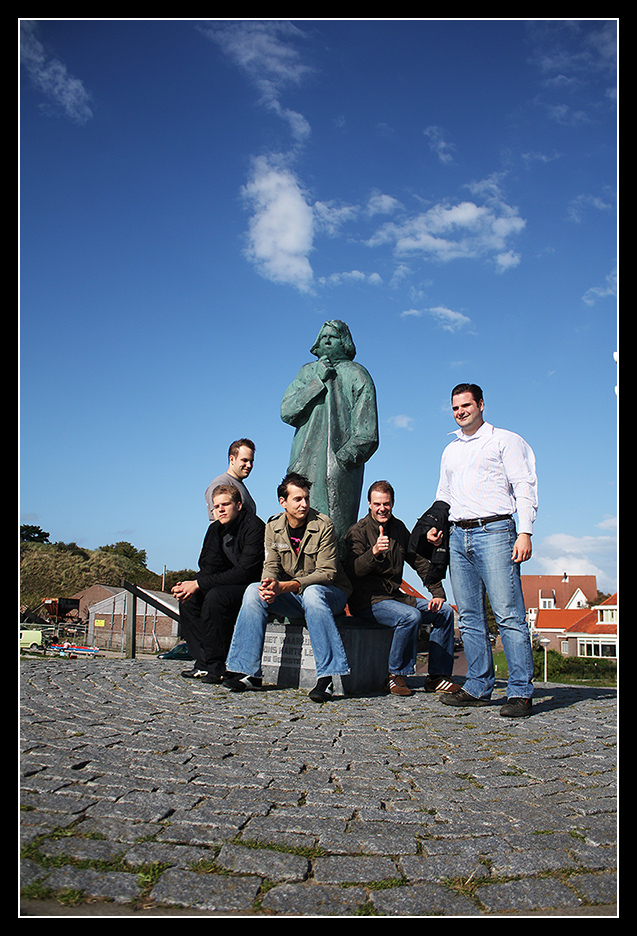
column 288, row 660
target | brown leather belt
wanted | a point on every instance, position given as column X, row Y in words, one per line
column 471, row 524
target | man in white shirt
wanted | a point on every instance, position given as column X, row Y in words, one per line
column 486, row 476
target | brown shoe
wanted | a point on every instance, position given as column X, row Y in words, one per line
column 398, row 686
column 440, row 684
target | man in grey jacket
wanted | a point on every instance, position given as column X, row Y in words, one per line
column 302, row 576
column 240, row 465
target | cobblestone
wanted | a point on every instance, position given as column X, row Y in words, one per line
column 143, row 794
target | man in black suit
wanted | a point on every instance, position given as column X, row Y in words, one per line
column 231, row 557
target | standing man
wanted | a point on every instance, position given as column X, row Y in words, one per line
column 376, row 550
column 301, row 576
column 486, row 476
column 231, row 558
column 240, row 464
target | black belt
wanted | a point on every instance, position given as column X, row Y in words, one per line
column 471, row 524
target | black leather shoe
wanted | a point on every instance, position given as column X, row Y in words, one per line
column 462, row 698
column 323, row 690
column 517, row 708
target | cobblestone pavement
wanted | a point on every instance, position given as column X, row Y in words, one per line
column 146, row 795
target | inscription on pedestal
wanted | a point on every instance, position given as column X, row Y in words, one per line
column 288, row 660
column 287, row 656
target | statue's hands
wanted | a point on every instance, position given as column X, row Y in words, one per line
column 325, row 370
column 346, row 457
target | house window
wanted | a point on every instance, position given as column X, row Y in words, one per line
column 564, row 647
column 596, row 647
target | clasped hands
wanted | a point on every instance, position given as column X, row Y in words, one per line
column 270, row 588
column 184, row 590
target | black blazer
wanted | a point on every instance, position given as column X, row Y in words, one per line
column 437, row 516
column 241, row 561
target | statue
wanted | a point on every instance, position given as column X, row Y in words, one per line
column 332, row 405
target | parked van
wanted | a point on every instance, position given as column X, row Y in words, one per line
column 31, row 640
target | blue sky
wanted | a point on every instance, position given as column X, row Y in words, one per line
column 198, row 197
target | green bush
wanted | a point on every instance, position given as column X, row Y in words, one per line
column 565, row 669
column 574, row 667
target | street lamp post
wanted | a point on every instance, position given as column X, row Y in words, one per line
column 545, row 643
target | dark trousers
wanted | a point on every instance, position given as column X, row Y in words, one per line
column 207, row 622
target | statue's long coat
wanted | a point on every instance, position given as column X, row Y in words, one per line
column 336, row 424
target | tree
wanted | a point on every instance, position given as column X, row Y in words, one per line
column 128, row 550
column 32, row 534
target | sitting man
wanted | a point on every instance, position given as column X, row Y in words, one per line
column 302, row 576
column 376, row 550
column 231, row 557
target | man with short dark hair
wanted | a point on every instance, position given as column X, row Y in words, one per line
column 302, row 576
column 231, row 557
column 486, row 476
column 376, row 549
column 240, row 465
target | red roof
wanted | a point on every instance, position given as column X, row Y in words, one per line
column 576, row 620
column 559, row 618
column 562, row 586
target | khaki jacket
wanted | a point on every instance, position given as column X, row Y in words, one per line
column 317, row 562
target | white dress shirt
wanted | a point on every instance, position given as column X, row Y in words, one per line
column 488, row 473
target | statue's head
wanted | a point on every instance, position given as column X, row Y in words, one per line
column 334, row 341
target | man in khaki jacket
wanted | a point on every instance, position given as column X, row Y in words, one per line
column 302, row 576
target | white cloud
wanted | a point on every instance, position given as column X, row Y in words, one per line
column 402, row 422
column 573, row 57
column 65, row 94
column 448, row 319
column 264, row 51
column 579, row 555
column 467, row 229
column 382, row 204
column 581, row 203
column 506, row 261
column 336, row 279
column 281, row 230
column 439, row 145
column 602, row 292
column 330, row 216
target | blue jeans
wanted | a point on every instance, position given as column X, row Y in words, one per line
column 406, row 622
column 480, row 565
column 317, row 603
